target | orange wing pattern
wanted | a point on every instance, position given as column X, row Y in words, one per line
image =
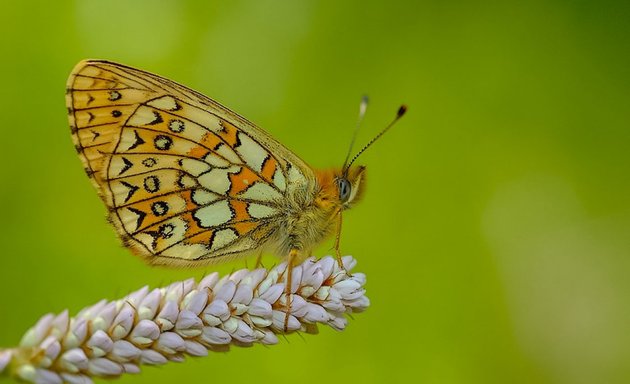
column 186, row 180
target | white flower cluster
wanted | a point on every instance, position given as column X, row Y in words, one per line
column 185, row 318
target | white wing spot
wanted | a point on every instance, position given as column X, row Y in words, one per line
column 194, row 167
column 214, row 160
column 142, row 116
column 229, row 154
column 203, row 197
column 261, row 192
column 252, row 152
column 218, row 180
column 127, row 140
column 278, row 179
column 201, row 117
column 259, row 211
column 214, row 214
column 166, row 103
column 295, row 176
column 114, row 95
column 223, row 238
column 187, row 181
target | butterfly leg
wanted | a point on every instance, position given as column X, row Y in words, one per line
column 337, row 241
column 293, row 257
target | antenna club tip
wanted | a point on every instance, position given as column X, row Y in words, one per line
column 401, row 111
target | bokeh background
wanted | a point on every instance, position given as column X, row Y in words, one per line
column 495, row 229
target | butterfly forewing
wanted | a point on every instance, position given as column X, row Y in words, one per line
column 185, row 179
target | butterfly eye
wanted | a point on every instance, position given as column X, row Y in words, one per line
column 344, row 189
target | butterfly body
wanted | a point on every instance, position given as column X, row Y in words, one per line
column 312, row 217
column 187, row 181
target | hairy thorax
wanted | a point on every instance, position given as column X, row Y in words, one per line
column 309, row 218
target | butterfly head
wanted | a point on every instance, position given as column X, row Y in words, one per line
column 339, row 189
column 350, row 186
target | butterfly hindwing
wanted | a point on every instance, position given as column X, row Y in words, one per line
column 185, row 179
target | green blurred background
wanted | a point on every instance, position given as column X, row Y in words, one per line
column 495, row 229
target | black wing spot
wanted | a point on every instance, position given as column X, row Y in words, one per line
column 152, row 184
column 116, row 113
column 166, row 230
column 180, row 180
column 132, row 189
column 155, row 235
column 149, row 162
column 176, row 126
column 211, row 241
column 160, row 208
column 138, row 141
column 157, row 118
column 126, row 165
column 114, row 95
column 96, row 135
column 141, row 216
column 163, row 142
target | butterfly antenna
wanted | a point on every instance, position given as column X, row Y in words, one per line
column 362, row 108
column 399, row 114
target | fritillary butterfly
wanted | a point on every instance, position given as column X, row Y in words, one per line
column 189, row 182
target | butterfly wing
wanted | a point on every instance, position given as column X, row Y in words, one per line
column 186, row 180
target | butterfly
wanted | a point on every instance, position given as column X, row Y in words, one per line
column 188, row 182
